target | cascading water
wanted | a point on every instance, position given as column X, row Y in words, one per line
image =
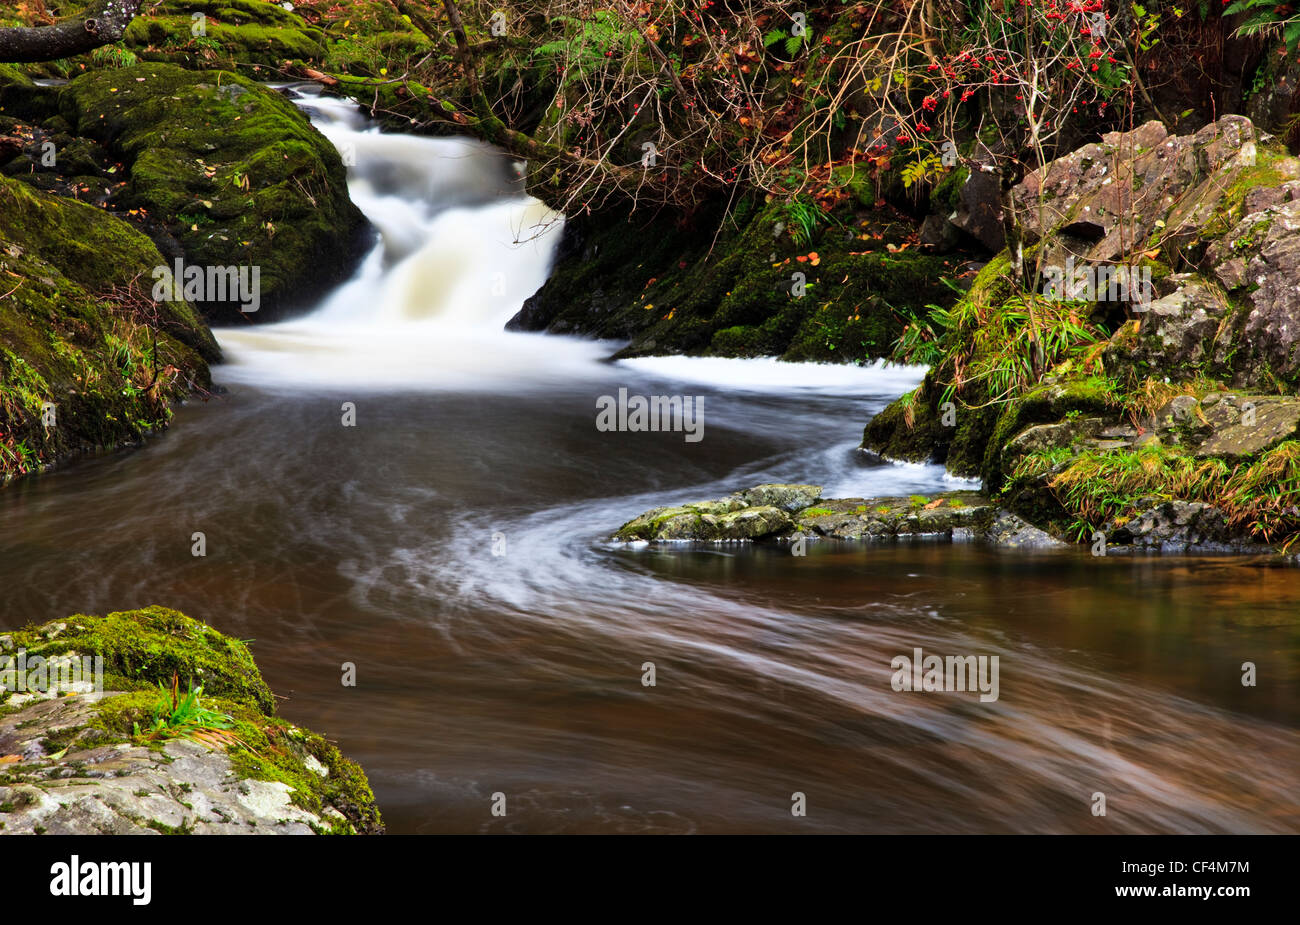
column 452, row 546
column 459, row 247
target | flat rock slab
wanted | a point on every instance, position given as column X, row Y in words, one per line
column 918, row 515
column 770, row 512
column 126, row 789
column 1248, row 424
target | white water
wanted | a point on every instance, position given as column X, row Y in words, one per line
column 459, row 249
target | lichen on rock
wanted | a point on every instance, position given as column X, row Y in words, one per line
column 77, row 763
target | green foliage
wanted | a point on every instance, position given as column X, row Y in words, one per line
column 803, row 218
column 112, row 56
column 792, row 44
column 1096, row 486
column 1001, row 352
column 177, row 717
column 1265, row 17
column 591, row 42
column 922, row 170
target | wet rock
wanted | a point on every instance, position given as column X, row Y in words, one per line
column 856, row 518
column 841, row 518
column 751, row 523
column 1178, row 526
column 125, row 789
column 682, row 522
column 79, row 764
column 1249, row 424
column 228, row 179
column 789, row 498
column 1014, row 532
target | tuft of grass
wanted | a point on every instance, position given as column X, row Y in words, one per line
column 1000, row 352
column 184, row 717
column 1261, row 497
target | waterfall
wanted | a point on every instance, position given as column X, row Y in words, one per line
column 459, row 248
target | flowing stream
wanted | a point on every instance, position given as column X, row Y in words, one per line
column 452, row 545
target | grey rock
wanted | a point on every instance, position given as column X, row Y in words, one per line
column 1249, row 424
column 1177, row 526
column 126, row 789
column 1011, row 531
column 788, row 497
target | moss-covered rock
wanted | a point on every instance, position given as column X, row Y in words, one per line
column 748, row 288
column 87, row 360
column 232, row 173
column 21, row 98
column 230, row 33
column 247, row 771
column 750, row 515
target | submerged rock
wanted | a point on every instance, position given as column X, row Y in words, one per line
column 94, row 762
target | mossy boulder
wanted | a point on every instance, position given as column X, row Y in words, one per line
column 919, row 515
column 233, row 174
column 21, row 98
column 94, row 761
column 753, row 515
column 231, row 32
column 87, row 360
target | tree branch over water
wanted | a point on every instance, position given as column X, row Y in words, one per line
column 103, row 23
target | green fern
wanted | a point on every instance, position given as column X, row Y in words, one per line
column 1265, row 19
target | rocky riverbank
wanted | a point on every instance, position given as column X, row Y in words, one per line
column 116, row 174
column 80, row 761
column 1091, row 413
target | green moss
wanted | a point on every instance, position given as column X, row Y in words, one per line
column 222, row 145
column 946, row 196
column 76, row 332
column 237, row 32
column 143, row 648
column 21, row 98
column 734, row 293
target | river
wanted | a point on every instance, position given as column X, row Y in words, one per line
column 452, row 546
